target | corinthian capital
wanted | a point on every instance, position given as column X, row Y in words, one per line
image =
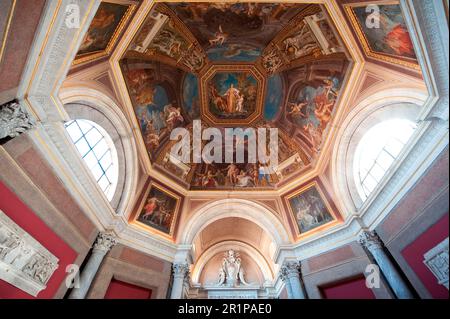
column 370, row 240
column 290, row 268
column 14, row 120
column 105, row 241
column 180, row 270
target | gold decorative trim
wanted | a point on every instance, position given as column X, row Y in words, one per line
column 134, row 218
column 365, row 43
column 219, row 68
column 87, row 57
column 7, row 27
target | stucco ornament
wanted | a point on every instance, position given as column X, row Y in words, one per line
column 14, row 120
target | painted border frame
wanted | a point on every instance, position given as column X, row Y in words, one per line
column 88, row 57
column 134, row 217
column 383, row 57
column 332, row 209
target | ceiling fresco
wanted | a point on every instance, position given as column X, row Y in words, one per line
column 249, row 65
column 235, row 32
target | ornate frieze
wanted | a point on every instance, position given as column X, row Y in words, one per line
column 105, row 241
column 436, row 259
column 24, row 262
column 14, row 120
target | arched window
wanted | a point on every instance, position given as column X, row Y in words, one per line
column 98, row 152
column 376, row 152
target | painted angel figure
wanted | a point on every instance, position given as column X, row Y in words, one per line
column 220, row 37
column 232, row 97
column 296, row 109
column 173, row 116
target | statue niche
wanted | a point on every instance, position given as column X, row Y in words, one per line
column 231, row 273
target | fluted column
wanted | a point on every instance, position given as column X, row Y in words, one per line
column 290, row 273
column 105, row 241
column 14, row 120
column 371, row 241
column 180, row 274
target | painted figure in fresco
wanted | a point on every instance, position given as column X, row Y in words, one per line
column 296, row 109
column 232, row 96
column 209, row 180
column 244, row 180
column 300, row 44
column 235, row 50
column 313, row 109
column 173, row 116
column 263, row 175
column 220, row 37
column 168, row 43
column 240, row 104
column 397, row 38
column 99, row 31
column 310, row 210
column 156, row 212
column 231, row 173
column 218, row 100
column 150, row 207
column 305, row 219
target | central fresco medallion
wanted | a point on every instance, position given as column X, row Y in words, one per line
column 232, row 95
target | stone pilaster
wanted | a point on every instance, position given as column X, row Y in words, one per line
column 290, row 273
column 104, row 242
column 374, row 245
column 180, row 275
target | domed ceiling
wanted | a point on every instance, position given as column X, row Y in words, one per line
column 230, row 65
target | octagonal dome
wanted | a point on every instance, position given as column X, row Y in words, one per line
column 235, row 65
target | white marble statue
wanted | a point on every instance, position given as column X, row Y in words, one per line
column 231, row 274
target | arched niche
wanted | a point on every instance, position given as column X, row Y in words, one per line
column 241, row 208
column 257, row 269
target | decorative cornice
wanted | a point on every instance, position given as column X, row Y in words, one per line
column 14, row 120
column 104, row 242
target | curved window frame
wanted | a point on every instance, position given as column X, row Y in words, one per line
column 377, row 151
column 98, row 152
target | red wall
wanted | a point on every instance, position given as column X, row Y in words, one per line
column 122, row 290
column 350, row 289
column 12, row 206
column 413, row 255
